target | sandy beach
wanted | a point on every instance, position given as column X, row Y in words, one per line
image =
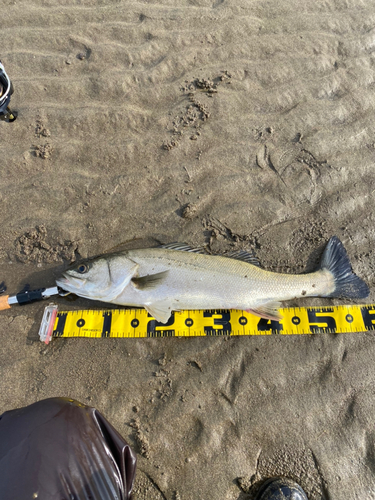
column 227, row 124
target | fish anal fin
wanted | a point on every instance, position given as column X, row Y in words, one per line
column 245, row 256
column 270, row 310
column 150, row 281
column 160, row 311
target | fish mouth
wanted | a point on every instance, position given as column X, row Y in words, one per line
column 70, row 284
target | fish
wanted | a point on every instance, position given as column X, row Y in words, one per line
column 177, row 277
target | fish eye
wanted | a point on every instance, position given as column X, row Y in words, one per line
column 83, row 268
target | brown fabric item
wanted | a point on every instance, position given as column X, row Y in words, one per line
column 60, row 449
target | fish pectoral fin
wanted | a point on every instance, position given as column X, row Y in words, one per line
column 160, row 311
column 150, row 281
column 270, row 310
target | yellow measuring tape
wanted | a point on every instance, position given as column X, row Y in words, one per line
column 137, row 323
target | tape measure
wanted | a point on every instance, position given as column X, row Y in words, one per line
column 137, row 323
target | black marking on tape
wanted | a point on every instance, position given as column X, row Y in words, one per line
column 211, row 332
column 61, row 320
column 107, row 315
column 368, row 316
column 224, row 321
column 242, row 320
column 155, row 328
column 162, row 333
column 296, row 320
column 349, row 318
column 269, row 325
column 321, row 324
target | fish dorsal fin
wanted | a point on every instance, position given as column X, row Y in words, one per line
column 150, row 281
column 161, row 311
column 270, row 310
column 245, row 256
column 183, row 247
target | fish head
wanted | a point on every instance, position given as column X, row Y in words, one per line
column 103, row 278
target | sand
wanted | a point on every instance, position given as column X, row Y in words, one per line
column 242, row 124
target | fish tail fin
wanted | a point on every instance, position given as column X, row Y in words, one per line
column 336, row 260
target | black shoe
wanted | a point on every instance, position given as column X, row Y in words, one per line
column 280, row 488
